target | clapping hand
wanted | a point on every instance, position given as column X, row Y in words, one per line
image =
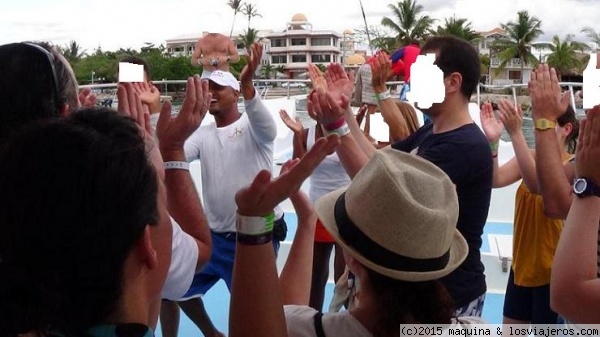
column 492, row 127
column 172, row 131
column 545, row 92
column 511, row 117
column 261, row 197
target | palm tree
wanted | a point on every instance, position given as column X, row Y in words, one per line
column 266, row 70
column 250, row 11
column 566, row 55
column 72, row 52
column 248, row 38
column 593, row 35
column 517, row 44
column 460, row 28
column 407, row 22
column 236, row 5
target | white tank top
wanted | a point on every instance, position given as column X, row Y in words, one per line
column 329, row 175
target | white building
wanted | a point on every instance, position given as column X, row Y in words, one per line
column 184, row 45
column 511, row 73
column 298, row 45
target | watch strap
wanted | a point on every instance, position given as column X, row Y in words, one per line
column 543, row 124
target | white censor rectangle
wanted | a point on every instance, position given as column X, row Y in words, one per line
column 129, row 72
column 470, row 326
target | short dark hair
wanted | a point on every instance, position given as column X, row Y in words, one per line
column 82, row 190
column 456, row 55
column 137, row 60
column 30, row 89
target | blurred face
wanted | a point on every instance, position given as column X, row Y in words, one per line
column 224, row 98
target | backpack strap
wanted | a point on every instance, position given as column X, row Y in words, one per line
column 319, row 324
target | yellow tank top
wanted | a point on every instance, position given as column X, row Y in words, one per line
column 534, row 240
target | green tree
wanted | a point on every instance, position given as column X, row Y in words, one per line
column 236, row 5
column 381, row 38
column 517, row 44
column 250, row 11
column 460, row 28
column 407, row 22
column 248, row 38
column 72, row 52
column 593, row 35
column 567, row 55
column 266, row 70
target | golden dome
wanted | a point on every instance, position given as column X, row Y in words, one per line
column 348, row 32
column 299, row 18
column 355, row 59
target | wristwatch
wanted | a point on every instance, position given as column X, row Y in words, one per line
column 583, row 187
column 544, row 124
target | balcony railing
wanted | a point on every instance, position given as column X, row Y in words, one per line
column 513, row 63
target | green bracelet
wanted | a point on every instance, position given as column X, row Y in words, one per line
column 494, row 146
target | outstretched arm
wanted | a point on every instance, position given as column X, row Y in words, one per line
column 512, row 118
column 329, row 111
column 197, row 53
column 381, row 68
column 256, row 304
column 546, row 101
column 183, row 200
column 492, row 128
column 296, row 276
column 574, row 285
column 299, row 141
column 263, row 124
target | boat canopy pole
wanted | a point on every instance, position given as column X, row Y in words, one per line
column 366, row 26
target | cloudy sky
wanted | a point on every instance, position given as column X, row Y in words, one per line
column 129, row 23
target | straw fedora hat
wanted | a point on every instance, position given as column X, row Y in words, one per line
column 398, row 218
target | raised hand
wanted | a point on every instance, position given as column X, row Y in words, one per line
column 264, row 194
column 149, row 94
column 587, row 163
column 545, row 92
column 86, row 98
column 511, row 117
column 381, row 68
column 294, row 125
column 326, row 109
column 131, row 105
column 492, row 127
column 254, row 56
column 172, row 131
column 319, row 83
column 338, row 82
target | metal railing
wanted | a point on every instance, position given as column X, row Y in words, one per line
column 266, row 90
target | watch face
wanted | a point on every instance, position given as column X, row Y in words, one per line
column 580, row 186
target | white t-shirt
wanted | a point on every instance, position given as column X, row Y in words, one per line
column 329, row 175
column 184, row 257
column 300, row 323
column 231, row 157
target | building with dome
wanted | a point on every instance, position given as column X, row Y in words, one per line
column 298, row 45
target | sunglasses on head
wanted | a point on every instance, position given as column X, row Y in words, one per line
column 50, row 59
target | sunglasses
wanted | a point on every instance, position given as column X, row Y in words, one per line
column 50, row 59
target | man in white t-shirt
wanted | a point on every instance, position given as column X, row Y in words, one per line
column 231, row 151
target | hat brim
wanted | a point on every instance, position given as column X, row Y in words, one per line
column 458, row 248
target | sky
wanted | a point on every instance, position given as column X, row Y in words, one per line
column 113, row 24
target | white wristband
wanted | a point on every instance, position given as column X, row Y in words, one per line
column 177, row 165
column 383, row 96
column 341, row 131
column 254, row 225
